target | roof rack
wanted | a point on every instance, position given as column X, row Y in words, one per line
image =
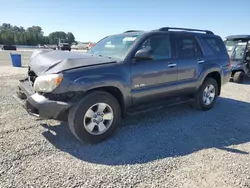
column 185, row 29
column 132, row 31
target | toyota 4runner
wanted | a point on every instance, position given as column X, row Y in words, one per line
column 122, row 74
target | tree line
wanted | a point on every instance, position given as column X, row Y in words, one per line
column 14, row 35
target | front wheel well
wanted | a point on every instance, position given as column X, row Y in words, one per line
column 215, row 75
column 115, row 92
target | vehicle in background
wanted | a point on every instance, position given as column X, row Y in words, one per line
column 90, row 45
column 8, row 47
column 127, row 73
column 63, row 45
column 83, row 46
column 238, row 47
column 74, row 47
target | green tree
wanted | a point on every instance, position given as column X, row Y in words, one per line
column 55, row 36
column 33, row 35
column 70, row 37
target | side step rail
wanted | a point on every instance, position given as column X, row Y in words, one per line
column 158, row 106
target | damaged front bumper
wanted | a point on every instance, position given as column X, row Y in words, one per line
column 38, row 105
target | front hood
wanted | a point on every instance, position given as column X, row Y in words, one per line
column 54, row 61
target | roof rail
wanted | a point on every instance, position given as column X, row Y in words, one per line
column 185, row 29
column 132, row 31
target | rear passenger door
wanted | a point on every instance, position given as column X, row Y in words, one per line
column 189, row 56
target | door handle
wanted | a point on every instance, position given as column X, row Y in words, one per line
column 172, row 65
column 201, row 61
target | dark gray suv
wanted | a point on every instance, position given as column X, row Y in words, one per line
column 122, row 74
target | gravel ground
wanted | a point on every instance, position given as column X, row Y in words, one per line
column 175, row 147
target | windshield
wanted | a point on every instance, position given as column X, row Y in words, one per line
column 236, row 49
column 116, row 46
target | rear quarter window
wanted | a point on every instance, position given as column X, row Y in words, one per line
column 217, row 45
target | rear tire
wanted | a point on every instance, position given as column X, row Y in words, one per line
column 238, row 77
column 199, row 100
column 79, row 113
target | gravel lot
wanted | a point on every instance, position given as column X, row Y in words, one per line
column 175, row 147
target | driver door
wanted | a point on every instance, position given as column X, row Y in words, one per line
column 154, row 79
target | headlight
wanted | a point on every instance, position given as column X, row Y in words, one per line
column 47, row 83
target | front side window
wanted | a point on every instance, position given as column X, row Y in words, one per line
column 160, row 46
column 236, row 49
column 188, row 47
column 116, row 46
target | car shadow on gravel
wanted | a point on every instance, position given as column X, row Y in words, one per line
column 172, row 132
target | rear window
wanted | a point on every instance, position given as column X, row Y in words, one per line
column 216, row 45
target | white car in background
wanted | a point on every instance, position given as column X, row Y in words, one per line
column 83, row 46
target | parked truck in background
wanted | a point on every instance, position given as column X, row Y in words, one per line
column 63, row 45
column 238, row 47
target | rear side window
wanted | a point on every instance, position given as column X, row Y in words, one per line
column 216, row 45
column 188, row 47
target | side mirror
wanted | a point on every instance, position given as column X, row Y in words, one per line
column 144, row 54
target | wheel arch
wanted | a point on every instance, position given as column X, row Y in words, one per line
column 216, row 76
column 115, row 92
column 239, row 70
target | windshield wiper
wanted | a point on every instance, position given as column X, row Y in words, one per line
column 100, row 55
column 105, row 56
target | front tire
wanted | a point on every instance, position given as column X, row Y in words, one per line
column 95, row 118
column 207, row 94
column 238, row 77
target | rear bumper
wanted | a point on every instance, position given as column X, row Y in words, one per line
column 39, row 106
